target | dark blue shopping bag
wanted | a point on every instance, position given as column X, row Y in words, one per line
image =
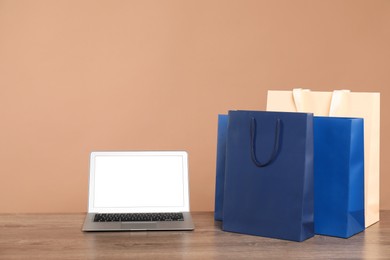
column 269, row 175
column 220, row 175
column 338, row 176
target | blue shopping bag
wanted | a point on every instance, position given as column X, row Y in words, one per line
column 269, row 175
column 220, row 171
column 338, row 176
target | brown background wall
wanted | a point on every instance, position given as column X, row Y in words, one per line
column 78, row 76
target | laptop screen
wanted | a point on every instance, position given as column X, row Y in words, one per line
column 138, row 182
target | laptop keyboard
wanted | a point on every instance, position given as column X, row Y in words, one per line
column 138, row 217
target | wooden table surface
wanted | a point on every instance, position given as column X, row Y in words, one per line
column 59, row 236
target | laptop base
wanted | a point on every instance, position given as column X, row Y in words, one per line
column 90, row 225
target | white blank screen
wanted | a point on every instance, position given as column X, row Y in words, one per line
column 131, row 181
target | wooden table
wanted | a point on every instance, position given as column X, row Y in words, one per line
column 59, row 236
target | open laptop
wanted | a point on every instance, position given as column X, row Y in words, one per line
column 138, row 190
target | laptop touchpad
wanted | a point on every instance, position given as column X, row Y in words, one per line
column 138, row 226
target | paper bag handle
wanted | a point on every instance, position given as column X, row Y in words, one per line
column 253, row 143
column 337, row 103
column 298, row 98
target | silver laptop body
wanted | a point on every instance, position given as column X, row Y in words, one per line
column 138, row 182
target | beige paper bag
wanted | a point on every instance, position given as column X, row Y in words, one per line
column 343, row 103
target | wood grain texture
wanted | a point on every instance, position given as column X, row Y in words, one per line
column 54, row 236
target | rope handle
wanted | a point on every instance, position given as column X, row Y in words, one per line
column 253, row 143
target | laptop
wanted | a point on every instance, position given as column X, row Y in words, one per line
column 138, row 190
